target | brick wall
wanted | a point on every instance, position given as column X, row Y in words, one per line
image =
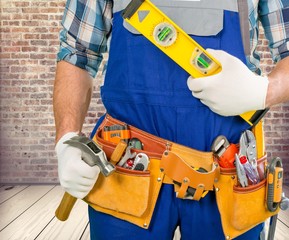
column 29, row 43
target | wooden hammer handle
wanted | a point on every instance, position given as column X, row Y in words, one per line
column 65, row 207
column 68, row 201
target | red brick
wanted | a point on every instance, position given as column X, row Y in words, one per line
column 29, row 49
column 39, row 42
column 11, row 49
column 19, row 17
column 49, row 36
column 31, row 36
column 11, row 10
column 20, row 43
column 20, row 30
column 21, row 4
column 39, row 4
column 5, row 29
column 30, row 10
column 39, row 16
column 30, row 23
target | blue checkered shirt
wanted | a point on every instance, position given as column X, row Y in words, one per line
column 87, row 27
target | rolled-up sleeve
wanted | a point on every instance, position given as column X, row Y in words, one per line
column 274, row 16
column 86, row 28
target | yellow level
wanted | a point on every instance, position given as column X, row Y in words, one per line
column 175, row 43
column 170, row 38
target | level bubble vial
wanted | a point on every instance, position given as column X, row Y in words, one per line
column 165, row 34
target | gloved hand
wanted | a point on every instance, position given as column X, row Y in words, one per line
column 233, row 91
column 76, row 177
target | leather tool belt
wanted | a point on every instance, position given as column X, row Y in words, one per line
column 178, row 163
column 131, row 195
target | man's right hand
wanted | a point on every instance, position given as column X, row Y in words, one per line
column 75, row 176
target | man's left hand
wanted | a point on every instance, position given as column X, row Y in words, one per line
column 233, row 91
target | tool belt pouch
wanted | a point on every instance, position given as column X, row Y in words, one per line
column 241, row 208
column 128, row 194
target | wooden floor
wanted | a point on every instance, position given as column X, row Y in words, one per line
column 27, row 212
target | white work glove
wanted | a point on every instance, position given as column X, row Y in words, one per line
column 76, row 176
column 233, row 91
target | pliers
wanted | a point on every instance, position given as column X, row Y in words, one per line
column 246, row 161
column 248, row 147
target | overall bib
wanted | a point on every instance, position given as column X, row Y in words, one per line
column 145, row 88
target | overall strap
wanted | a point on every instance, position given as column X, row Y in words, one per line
column 244, row 24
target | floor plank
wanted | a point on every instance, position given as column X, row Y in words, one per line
column 29, row 224
column 284, row 215
column 9, row 191
column 86, row 233
column 281, row 232
column 72, row 228
column 20, row 202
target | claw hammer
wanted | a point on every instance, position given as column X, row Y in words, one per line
column 93, row 155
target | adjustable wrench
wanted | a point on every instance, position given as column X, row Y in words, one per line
column 128, row 154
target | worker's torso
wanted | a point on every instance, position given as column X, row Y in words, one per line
column 147, row 89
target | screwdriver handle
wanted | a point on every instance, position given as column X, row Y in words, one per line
column 117, row 153
column 65, row 207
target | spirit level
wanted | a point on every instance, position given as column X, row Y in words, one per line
column 171, row 39
column 177, row 44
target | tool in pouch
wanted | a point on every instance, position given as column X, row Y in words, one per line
column 91, row 154
column 115, row 133
column 246, row 160
column 130, row 160
column 224, row 151
column 175, row 43
column 242, row 157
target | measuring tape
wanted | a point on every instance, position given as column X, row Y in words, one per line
column 177, row 44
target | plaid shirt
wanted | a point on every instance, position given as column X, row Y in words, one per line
column 87, row 26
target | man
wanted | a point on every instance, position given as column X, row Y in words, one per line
column 144, row 88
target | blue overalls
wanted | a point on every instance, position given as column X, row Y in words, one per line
column 144, row 88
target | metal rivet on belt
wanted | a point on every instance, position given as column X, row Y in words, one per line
column 161, row 169
column 159, row 179
column 145, row 225
column 217, row 189
column 233, row 177
column 227, row 237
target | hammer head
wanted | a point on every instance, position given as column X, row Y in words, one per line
column 92, row 154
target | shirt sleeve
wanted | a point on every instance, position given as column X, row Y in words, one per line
column 274, row 16
column 86, row 28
